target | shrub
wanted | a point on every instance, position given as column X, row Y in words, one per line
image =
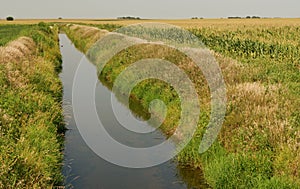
column 9, row 18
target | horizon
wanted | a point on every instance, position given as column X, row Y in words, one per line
column 141, row 18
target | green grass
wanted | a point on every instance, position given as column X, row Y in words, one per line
column 258, row 146
column 12, row 32
column 31, row 119
column 263, row 116
column 109, row 27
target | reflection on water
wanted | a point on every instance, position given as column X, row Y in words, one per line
column 84, row 169
column 193, row 178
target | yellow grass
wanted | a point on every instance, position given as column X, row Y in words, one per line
column 181, row 22
column 89, row 32
column 17, row 49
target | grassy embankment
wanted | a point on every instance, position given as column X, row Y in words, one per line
column 262, row 125
column 258, row 146
column 31, row 119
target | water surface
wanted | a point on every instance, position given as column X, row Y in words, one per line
column 84, row 169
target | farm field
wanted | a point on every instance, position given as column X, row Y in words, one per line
column 261, row 69
column 187, row 23
column 258, row 146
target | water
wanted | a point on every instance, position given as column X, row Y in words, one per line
column 84, row 169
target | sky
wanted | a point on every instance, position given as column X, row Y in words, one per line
column 168, row 9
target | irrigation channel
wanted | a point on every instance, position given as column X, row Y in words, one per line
column 83, row 168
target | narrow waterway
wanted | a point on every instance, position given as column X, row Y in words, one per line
column 84, row 169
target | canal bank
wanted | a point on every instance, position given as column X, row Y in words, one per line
column 83, row 168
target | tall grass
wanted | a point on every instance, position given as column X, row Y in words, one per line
column 31, row 119
column 91, row 34
column 258, row 146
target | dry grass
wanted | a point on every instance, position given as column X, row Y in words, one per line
column 259, row 119
column 16, row 50
column 231, row 69
column 228, row 23
column 87, row 32
column 31, row 119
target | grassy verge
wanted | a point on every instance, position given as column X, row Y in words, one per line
column 258, row 146
column 89, row 35
column 262, row 125
column 31, row 119
column 12, row 32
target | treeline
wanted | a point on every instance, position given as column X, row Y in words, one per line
column 129, row 18
column 247, row 17
column 195, row 18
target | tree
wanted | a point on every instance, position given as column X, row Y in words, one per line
column 9, row 18
column 129, row 18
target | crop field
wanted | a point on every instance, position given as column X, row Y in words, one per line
column 258, row 146
column 186, row 23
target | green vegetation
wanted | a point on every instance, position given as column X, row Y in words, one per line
column 108, row 27
column 31, row 119
column 10, row 18
column 43, row 36
column 12, row 32
column 261, row 132
column 89, row 34
column 258, row 146
column 128, row 18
